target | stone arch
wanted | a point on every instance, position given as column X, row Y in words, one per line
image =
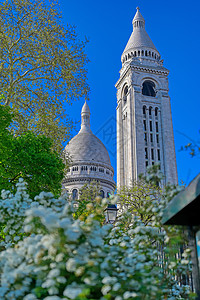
column 149, row 88
column 124, row 93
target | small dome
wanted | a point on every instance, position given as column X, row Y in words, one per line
column 86, row 147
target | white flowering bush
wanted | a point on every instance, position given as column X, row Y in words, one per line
column 13, row 208
column 64, row 258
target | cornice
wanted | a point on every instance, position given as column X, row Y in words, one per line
column 143, row 69
column 88, row 179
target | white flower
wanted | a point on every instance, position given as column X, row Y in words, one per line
column 129, row 295
column 105, row 289
column 51, row 298
column 71, row 265
column 72, row 291
column 30, row 297
column 54, row 273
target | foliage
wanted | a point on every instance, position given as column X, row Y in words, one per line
column 193, row 147
column 30, row 157
column 87, row 195
column 42, row 67
column 65, row 258
column 144, row 196
column 146, row 200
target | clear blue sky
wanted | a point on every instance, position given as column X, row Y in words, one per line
column 174, row 28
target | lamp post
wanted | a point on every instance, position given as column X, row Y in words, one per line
column 110, row 214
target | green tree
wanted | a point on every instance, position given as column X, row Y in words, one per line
column 30, row 157
column 42, row 67
column 88, row 194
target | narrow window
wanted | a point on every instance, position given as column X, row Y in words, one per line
column 146, row 163
column 156, row 126
column 151, row 138
column 102, row 194
column 145, row 125
column 144, row 110
column 146, row 153
column 158, row 154
column 150, row 123
column 152, row 154
column 145, row 137
column 75, row 194
column 157, row 138
column 125, row 94
column 150, row 110
column 156, row 111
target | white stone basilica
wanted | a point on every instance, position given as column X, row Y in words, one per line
column 144, row 123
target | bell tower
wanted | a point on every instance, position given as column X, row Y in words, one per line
column 144, row 121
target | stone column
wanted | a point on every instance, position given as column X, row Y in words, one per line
column 120, row 161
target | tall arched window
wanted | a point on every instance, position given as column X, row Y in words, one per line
column 148, row 88
column 75, row 194
column 156, row 111
column 125, row 94
column 102, row 194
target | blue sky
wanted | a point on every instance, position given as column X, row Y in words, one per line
column 174, row 29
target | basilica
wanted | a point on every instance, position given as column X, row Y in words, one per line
column 144, row 123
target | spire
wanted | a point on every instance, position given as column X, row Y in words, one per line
column 139, row 42
column 85, row 117
column 138, row 20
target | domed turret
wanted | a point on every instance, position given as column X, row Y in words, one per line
column 90, row 160
column 140, row 45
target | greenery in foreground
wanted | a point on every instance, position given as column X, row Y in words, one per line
column 64, row 258
column 29, row 157
column 42, row 67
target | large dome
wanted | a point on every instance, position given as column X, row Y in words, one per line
column 90, row 161
column 86, row 147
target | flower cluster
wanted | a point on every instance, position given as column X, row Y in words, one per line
column 14, row 207
column 63, row 258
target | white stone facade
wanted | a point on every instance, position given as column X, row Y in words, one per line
column 144, row 121
column 90, row 161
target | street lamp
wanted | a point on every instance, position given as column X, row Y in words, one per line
column 111, row 213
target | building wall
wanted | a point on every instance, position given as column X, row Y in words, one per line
column 131, row 144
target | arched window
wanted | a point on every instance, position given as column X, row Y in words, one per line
column 148, row 88
column 102, row 194
column 156, row 112
column 75, row 194
column 125, row 94
column 144, row 110
column 150, row 110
